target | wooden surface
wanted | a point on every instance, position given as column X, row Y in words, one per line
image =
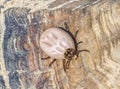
column 98, row 23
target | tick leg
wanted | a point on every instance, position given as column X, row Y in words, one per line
column 66, row 27
column 45, row 58
column 52, row 62
column 64, row 64
column 67, row 64
column 76, row 33
column 82, row 51
column 79, row 42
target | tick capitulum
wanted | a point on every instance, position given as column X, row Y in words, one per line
column 70, row 53
column 60, row 43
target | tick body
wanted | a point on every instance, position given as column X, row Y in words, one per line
column 60, row 43
column 55, row 41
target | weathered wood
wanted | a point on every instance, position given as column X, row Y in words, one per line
column 98, row 23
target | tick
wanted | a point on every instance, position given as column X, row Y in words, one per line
column 60, row 43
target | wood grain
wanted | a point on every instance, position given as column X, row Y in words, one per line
column 98, row 23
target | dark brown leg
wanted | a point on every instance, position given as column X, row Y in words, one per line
column 66, row 64
column 82, row 51
column 45, row 58
column 79, row 42
column 66, row 27
column 76, row 33
column 52, row 62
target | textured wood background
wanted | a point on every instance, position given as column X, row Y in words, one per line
column 21, row 25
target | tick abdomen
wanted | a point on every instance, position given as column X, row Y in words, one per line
column 55, row 41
